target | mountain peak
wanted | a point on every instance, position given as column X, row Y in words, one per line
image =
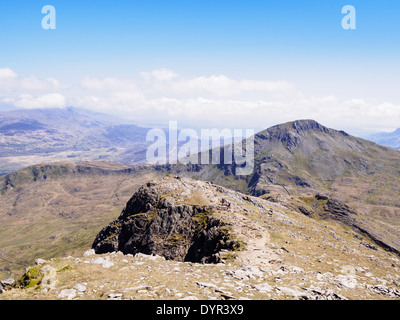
column 309, row 125
column 297, row 129
column 303, row 125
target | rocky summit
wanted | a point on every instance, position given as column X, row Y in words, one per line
column 179, row 238
column 180, row 219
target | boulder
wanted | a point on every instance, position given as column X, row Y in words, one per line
column 153, row 224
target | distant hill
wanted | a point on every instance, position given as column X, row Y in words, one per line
column 388, row 139
column 43, row 135
column 57, row 208
column 29, row 137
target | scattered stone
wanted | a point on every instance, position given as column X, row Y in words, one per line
column 89, row 253
column 347, row 281
column 7, row 282
column 246, row 272
column 81, row 287
column 205, row 284
column 318, row 294
column 225, row 294
column 284, row 249
column 115, row 296
column 294, row 269
column 385, row 291
column 49, row 280
column 370, row 246
column 40, row 261
column 189, row 298
column 105, row 263
column 68, row 294
column 289, row 292
column 263, row 288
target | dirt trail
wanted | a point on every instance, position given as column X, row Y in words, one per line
column 257, row 253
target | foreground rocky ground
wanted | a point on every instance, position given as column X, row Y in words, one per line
column 117, row 276
column 283, row 254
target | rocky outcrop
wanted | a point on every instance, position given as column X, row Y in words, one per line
column 270, row 250
column 324, row 207
column 153, row 223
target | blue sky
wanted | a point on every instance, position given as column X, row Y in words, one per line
column 299, row 42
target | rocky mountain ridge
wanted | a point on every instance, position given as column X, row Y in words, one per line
column 303, row 158
column 322, row 199
column 283, row 253
column 388, row 139
column 44, row 135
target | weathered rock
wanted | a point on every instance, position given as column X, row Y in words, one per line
column 189, row 298
column 67, row 294
column 105, row 263
column 81, row 287
column 115, row 296
column 317, row 294
column 348, row 281
column 40, row 261
column 89, row 253
column 151, row 224
column 265, row 287
column 206, row 285
column 7, row 282
column 246, row 272
column 290, row 292
column 385, row 291
column 49, row 279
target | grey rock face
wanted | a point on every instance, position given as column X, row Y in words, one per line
column 7, row 282
column 151, row 224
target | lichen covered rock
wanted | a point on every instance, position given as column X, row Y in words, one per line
column 170, row 219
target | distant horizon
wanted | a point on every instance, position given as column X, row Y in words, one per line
column 183, row 126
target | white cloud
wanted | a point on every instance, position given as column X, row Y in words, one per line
column 217, row 100
column 6, row 73
column 159, row 75
column 52, row 100
column 109, row 84
column 168, row 83
column 214, row 100
column 223, row 86
column 32, row 83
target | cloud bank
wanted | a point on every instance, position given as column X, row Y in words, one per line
column 159, row 96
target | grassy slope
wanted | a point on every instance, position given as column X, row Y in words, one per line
column 57, row 210
column 278, row 242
